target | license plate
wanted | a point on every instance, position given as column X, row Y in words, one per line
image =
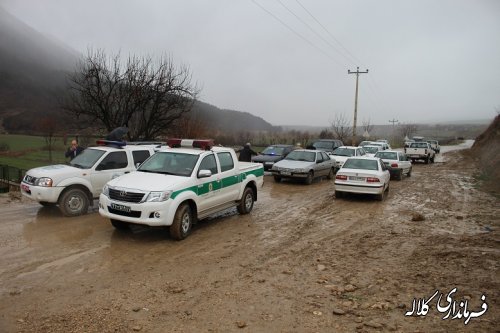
column 25, row 188
column 286, row 173
column 120, row 207
column 357, row 178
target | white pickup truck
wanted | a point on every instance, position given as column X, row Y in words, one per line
column 73, row 187
column 420, row 151
column 178, row 186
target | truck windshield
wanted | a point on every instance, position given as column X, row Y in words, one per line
column 87, row 158
column 170, row 163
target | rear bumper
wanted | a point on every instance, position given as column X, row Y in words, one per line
column 291, row 175
column 359, row 188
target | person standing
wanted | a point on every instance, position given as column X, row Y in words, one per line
column 246, row 153
column 74, row 150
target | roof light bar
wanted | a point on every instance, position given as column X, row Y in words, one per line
column 205, row 144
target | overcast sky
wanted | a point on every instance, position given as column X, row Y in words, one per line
column 287, row 60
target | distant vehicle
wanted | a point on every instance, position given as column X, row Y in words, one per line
column 435, row 145
column 364, row 143
column 420, row 151
column 383, row 140
column 305, row 164
column 396, row 162
column 328, row 145
column 407, row 143
column 418, row 138
column 367, row 175
column 272, row 154
column 381, row 144
column 342, row 153
column 372, row 150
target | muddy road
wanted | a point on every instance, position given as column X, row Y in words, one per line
column 302, row 261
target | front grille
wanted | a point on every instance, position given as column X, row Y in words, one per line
column 132, row 213
column 29, row 179
column 126, row 196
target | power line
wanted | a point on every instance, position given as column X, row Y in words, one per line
column 331, row 35
column 315, row 32
column 296, row 33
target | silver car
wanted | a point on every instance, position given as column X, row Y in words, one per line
column 305, row 164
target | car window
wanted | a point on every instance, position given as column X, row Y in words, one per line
column 208, row 163
column 226, row 161
column 325, row 156
column 114, row 160
column 362, row 164
column 319, row 158
column 386, row 155
column 361, row 152
column 140, row 156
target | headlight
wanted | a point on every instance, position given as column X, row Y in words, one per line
column 105, row 190
column 158, row 196
column 301, row 171
column 44, row 181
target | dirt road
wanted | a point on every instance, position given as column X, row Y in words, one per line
column 302, row 261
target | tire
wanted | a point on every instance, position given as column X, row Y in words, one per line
column 432, row 159
column 277, row 179
column 183, row 221
column 330, row 174
column 310, row 177
column 339, row 194
column 427, row 160
column 47, row 204
column 246, row 203
column 74, row 202
column 120, row 225
column 399, row 175
column 409, row 173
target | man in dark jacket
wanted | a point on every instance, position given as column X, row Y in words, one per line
column 74, row 150
column 246, row 153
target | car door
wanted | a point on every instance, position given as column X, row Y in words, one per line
column 208, row 187
column 386, row 176
column 229, row 177
column 404, row 162
column 322, row 167
column 113, row 165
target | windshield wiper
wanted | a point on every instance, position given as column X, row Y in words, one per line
column 79, row 166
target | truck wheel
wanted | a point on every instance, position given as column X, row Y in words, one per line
column 432, row 159
column 277, row 179
column 330, row 174
column 246, row 203
column 74, row 202
column 120, row 225
column 339, row 194
column 183, row 221
column 399, row 175
column 309, row 178
column 427, row 160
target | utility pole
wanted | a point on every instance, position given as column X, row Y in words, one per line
column 357, row 72
column 393, row 121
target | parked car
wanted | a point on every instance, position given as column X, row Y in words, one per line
column 305, row 164
column 372, row 150
column 342, row 153
column 396, row 162
column 435, row 145
column 366, row 175
column 364, row 143
column 272, row 154
column 420, row 150
column 328, row 145
column 383, row 145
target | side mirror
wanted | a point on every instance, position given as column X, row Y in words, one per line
column 204, row 173
column 137, row 165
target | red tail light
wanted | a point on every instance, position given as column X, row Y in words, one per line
column 372, row 180
column 341, row 177
column 394, row 165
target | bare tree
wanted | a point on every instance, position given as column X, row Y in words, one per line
column 367, row 125
column 48, row 127
column 145, row 95
column 190, row 125
column 407, row 130
column 341, row 127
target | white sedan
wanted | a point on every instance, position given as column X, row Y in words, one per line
column 396, row 162
column 366, row 175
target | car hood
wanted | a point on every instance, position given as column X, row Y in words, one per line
column 149, row 181
column 56, row 172
column 289, row 164
column 340, row 159
column 266, row 158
